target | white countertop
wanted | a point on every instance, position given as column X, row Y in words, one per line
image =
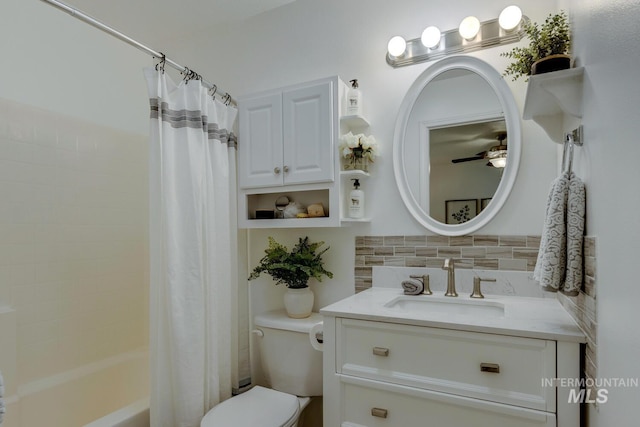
column 543, row 318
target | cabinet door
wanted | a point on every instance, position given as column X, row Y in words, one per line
column 260, row 141
column 308, row 134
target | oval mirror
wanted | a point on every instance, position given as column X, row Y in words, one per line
column 456, row 146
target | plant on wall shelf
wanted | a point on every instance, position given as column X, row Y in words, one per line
column 294, row 268
column 551, row 39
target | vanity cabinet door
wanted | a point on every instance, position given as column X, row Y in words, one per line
column 375, row 404
column 260, row 141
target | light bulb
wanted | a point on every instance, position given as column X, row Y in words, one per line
column 431, row 37
column 469, row 27
column 510, row 17
column 396, row 46
column 499, row 162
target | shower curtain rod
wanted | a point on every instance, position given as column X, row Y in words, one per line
column 117, row 34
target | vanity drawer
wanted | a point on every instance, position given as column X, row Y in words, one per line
column 373, row 404
column 496, row 368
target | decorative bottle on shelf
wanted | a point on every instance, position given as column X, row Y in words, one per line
column 354, row 100
column 356, row 201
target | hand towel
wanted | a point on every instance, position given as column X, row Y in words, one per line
column 560, row 259
column 551, row 262
column 412, row 287
column 575, row 236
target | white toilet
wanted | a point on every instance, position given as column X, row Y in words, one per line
column 292, row 364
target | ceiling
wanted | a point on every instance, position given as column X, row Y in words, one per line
column 151, row 21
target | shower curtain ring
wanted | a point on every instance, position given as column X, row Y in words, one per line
column 186, row 73
column 213, row 91
column 226, row 99
column 160, row 65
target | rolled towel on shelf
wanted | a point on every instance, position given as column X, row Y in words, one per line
column 412, row 287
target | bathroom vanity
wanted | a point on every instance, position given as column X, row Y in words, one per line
column 395, row 360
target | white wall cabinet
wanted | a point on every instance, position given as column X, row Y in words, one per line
column 386, row 374
column 288, row 146
column 287, row 136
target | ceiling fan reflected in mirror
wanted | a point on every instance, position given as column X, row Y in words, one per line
column 496, row 155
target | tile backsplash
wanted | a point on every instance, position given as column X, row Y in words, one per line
column 486, row 252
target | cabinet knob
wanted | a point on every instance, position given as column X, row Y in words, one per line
column 492, row 368
column 381, row 351
column 276, row 170
column 285, row 169
column 379, row 412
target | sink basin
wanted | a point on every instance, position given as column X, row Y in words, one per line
column 425, row 305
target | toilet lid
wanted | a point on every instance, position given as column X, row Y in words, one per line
column 257, row 407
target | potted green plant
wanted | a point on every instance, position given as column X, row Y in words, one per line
column 548, row 48
column 294, row 269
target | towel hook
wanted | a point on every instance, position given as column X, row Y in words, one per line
column 575, row 137
column 567, row 159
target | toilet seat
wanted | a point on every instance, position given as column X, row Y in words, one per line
column 259, row 406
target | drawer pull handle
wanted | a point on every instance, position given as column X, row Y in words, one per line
column 381, row 351
column 379, row 412
column 492, row 368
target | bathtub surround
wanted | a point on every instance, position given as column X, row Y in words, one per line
column 73, row 262
column 193, row 242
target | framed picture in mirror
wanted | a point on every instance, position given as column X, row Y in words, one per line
column 484, row 203
column 460, row 211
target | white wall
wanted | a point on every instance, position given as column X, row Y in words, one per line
column 607, row 44
column 311, row 39
column 53, row 61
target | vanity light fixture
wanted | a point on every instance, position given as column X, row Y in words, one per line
column 469, row 36
column 469, row 28
column 510, row 17
column 431, row 37
column 396, row 46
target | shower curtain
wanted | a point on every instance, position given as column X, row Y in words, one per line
column 193, row 247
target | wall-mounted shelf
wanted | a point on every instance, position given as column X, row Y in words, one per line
column 354, row 174
column 355, row 121
column 355, row 220
column 554, row 101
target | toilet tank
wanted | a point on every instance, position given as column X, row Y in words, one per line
column 290, row 363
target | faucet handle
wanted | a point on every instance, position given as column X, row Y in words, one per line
column 424, row 278
column 477, row 293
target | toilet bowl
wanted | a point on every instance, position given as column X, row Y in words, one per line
column 292, row 364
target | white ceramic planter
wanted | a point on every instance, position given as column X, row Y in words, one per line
column 298, row 302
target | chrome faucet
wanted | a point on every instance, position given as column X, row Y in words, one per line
column 451, row 277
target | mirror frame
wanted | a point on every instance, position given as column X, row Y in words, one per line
column 514, row 138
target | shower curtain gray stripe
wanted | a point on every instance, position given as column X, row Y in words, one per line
column 192, row 119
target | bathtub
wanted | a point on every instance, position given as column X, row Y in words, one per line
column 134, row 415
column 114, row 390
